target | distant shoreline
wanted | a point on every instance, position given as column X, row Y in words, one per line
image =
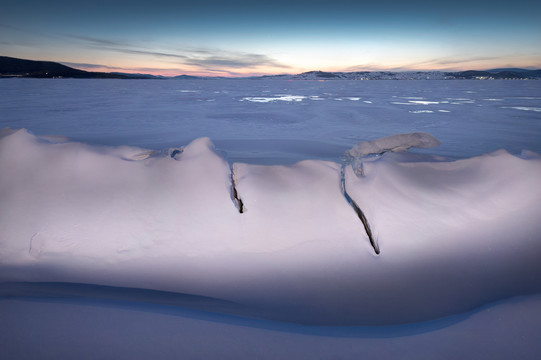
column 21, row 68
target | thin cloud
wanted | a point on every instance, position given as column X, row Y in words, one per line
column 235, row 61
column 6, row 26
column 153, row 53
column 87, row 66
column 364, row 67
column 147, row 70
column 208, row 60
column 121, row 47
column 95, row 41
column 222, row 72
column 33, row 33
column 441, row 64
column 457, row 61
column 14, row 35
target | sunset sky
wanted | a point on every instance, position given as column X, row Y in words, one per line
column 237, row 38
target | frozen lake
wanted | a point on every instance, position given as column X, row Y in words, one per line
column 274, row 121
column 119, row 252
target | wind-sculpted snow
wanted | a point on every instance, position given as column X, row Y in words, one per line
column 393, row 143
column 452, row 235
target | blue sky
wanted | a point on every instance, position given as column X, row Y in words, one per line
column 235, row 38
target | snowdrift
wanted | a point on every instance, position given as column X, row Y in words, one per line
column 277, row 242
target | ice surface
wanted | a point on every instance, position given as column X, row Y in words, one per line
column 526, row 108
column 161, row 114
column 288, row 98
column 423, row 102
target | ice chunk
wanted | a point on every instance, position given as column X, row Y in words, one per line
column 286, row 97
column 523, row 108
column 399, row 142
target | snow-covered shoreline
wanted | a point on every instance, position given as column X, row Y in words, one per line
column 453, row 235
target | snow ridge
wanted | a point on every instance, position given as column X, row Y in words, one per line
column 393, row 143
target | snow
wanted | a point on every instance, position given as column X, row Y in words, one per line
column 393, row 143
column 94, row 214
column 126, row 215
column 131, row 330
column 423, row 102
column 525, row 108
column 287, row 98
column 156, row 115
column 429, row 212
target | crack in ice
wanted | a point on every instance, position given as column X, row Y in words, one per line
column 358, row 211
column 235, row 194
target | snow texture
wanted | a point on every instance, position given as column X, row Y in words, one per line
column 69, row 329
column 162, row 114
column 393, row 143
column 121, row 235
column 453, row 235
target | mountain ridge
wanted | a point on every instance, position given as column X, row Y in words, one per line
column 15, row 67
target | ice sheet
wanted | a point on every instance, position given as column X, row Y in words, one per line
column 158, row 114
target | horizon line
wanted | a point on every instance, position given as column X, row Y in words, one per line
column 170, row 73
column 202, row 75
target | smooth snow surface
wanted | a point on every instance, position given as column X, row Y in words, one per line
column 453, row 235
column 41, row 328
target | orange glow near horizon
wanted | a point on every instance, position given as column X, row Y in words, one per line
column 236, row 39
column 177, row 72
column 303, row 60
column 272, row 71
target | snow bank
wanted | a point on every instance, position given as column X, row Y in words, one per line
column 453, row 235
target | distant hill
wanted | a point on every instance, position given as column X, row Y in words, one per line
column 13, row 67
column 518, row 70
column 412, row 75
column 139, row 76
column 512, row 73
column 187, row 77
column 364, row 75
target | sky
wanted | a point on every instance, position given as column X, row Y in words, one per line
column 244, row 38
